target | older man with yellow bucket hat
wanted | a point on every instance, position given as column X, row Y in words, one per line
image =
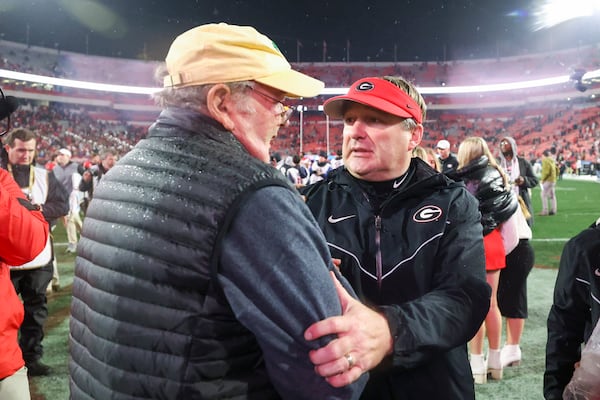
column 199, row 266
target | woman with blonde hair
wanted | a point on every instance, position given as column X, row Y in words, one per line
column 428, row 155
column 484, row 178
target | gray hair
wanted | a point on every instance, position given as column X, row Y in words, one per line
column 190, row 97
column 410, row 124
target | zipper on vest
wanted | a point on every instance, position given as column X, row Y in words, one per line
column 378, row 263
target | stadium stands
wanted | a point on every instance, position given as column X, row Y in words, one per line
column 538, row 118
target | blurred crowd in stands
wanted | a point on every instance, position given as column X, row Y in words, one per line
column 89, row 122
column 53, row 62
column 60, row 126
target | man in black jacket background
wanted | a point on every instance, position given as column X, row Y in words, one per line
column 575, row 310
column 448, row 161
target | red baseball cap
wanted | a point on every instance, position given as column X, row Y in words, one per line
column 377, row 93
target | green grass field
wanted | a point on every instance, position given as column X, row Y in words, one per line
column 578, row 207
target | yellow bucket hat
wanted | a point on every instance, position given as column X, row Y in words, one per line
column 220, row 53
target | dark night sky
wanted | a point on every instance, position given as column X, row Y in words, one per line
column 376, row 30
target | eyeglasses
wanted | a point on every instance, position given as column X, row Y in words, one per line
column 287, row 111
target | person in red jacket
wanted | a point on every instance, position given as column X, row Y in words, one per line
column 23, row 235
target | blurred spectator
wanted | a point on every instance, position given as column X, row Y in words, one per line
column 92, row 176
column 338, row 160
column 575, row 309
column 548, row 179
column 448, row 161
column 519, row 171
column 276, row 160
column 319, row 168
column 428, row 155
column 485, row 179
column 297, row 174
column 512, row 285
column 32, row 279
column 51, row 164
column 68, row 174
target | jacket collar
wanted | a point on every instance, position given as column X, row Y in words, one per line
column 188, row 120
column 474, row 165
column 420, row 180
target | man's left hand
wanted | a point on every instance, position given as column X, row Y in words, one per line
column 363, row 340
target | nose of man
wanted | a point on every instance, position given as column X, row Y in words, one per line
column 356, row 130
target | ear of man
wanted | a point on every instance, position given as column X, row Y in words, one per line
column 416, row 137
column 219, row 104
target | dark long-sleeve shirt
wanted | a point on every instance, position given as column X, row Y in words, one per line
column 283, row 292
column 575, row 309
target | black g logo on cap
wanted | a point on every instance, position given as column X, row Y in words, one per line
column 363, row 86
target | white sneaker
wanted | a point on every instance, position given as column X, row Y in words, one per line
column 478, row 368
column 494, row 365
column 510, row 355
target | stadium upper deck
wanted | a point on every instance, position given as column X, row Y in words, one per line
column 547, row 112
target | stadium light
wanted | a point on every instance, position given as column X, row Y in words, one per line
column 496, row 87
column 591, row 76
column 104, row 87
column 554, row 12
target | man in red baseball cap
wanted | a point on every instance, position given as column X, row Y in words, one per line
column 409, row 240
